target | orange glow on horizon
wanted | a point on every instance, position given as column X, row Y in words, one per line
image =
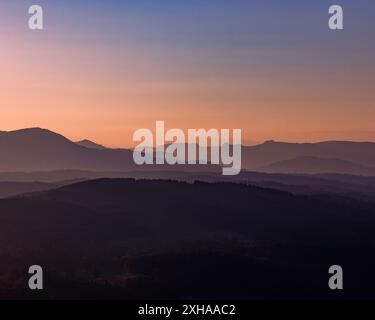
column 104, row 93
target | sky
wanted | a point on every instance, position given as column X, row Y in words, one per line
column 103, row 69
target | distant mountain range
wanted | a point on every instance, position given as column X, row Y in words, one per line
column 350, row 157
column 313, row 165
column 38, row 149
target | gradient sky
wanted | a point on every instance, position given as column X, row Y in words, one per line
column 103, row 69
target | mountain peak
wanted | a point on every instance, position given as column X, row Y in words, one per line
column 35, row 134
column 32, row 130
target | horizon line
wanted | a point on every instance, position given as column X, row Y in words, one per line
column 252, row 144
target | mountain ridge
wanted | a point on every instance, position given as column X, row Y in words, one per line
column 37, row 149
column 315, row 165
column 90, row 144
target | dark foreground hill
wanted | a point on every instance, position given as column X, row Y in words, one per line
column 120, row 238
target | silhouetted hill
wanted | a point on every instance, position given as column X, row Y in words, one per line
column 134, row 239
column 361, row 153
column 313, row 165
column 360, row 187
column 38, row 149
column 8, row 189
column 89, row 144
column 57, row 175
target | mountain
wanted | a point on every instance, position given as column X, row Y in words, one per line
column 8, row 189
column 121, row 238
column 314, row 165
column 38, row 149
column 89, row 144
column 356, row 187
column 360, row 153
column 60, row 175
